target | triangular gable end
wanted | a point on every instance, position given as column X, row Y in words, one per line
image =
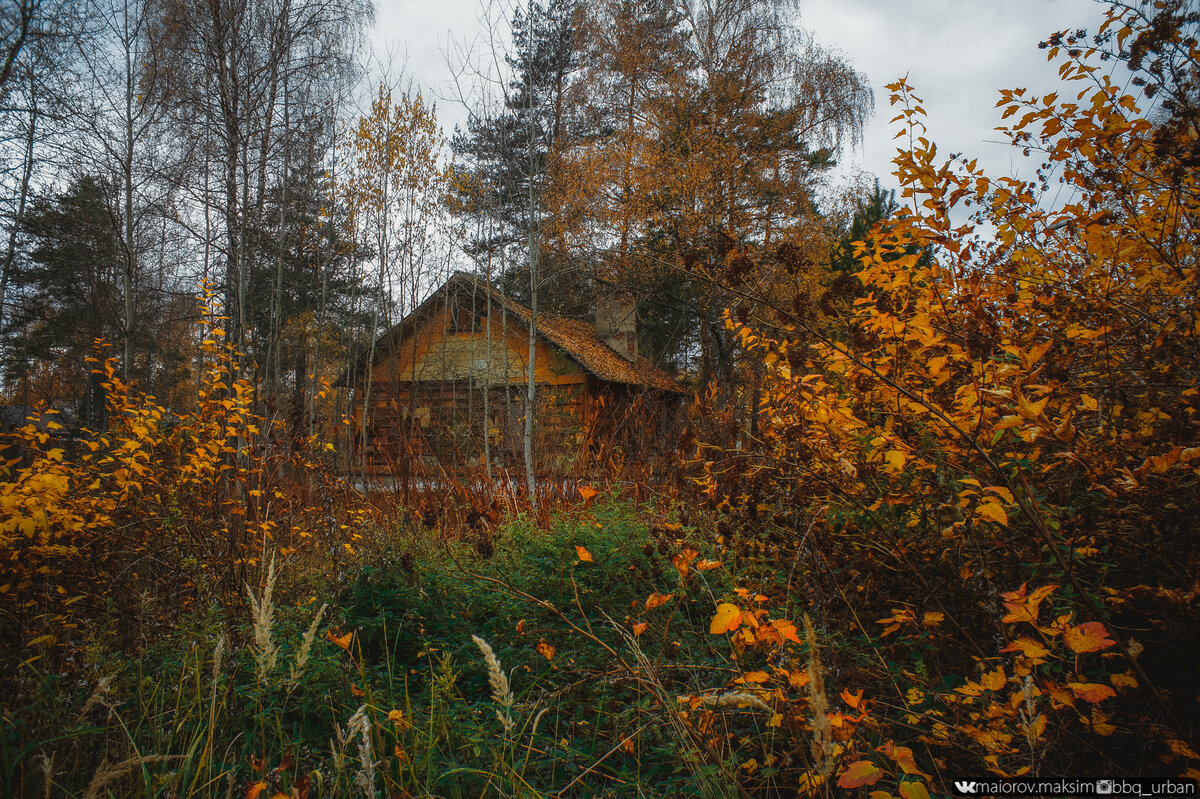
column 457, row 339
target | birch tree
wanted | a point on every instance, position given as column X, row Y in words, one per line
column 248, row 73
column 34, row 35
column 394, row 194
column 117, row 117
column 714, row 123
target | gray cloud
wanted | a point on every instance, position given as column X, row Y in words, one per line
column 957, row 54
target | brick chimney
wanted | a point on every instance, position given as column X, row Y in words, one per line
column 616, row 321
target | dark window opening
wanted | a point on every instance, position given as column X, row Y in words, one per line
column 465, row 320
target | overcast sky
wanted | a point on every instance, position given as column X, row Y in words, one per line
column 956, row 53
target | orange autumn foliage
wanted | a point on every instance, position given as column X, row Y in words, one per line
column 1011, row 396
column 155, row 512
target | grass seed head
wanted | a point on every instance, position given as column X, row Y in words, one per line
column 501, row 693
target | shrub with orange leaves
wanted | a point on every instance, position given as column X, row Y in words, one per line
column 145, row 517
column 1012, row 397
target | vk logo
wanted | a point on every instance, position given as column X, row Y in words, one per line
column 964, row 787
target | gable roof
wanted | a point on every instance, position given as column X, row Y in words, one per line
column 577, row 339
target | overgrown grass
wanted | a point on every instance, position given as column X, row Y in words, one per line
column 617, row 651
column 388, row 691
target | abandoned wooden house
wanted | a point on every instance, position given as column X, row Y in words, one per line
column 445, row 389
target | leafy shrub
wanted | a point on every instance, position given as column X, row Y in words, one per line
column 1006, row 410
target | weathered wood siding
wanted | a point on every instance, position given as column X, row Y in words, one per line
column 427, row 396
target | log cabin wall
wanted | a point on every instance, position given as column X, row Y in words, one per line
column 427, row 405
column 442, row 425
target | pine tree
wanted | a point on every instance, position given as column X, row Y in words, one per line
column 303, row 291
column 66, row 296
column 875, row 207
column 505, row 161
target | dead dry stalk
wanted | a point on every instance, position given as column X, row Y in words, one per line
column 305, row 651
column 47, row 772
column 103, row 687
column 818, row 705
column 364, row 778
column 106, row 775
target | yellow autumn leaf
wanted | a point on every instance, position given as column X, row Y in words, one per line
column 809, row 783
column 1036, row 728
column 914, row 790
column 341, row 640
column 786, row 630
column 655, row 600
column 994, row 680
column 992, row 511
column 1123, row 680
column 1091, row 691
column 1032, row 409
column 1091, row 636
column 1027, row 647
column 1002, row 492
column 1182, row 749
column 583, row 554
column 859, row 773
column 1100, row 724
column 728, row 617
